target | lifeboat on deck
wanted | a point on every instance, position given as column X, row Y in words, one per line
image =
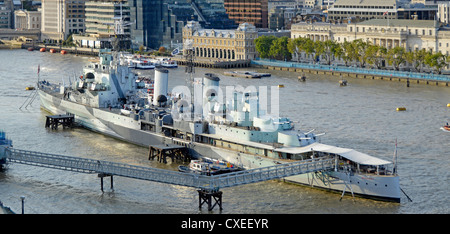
column 52, row 51
column 63, row 52
column 30, row 48
column 42, row 50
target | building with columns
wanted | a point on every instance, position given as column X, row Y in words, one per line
column 227, row 45
column 410, row 34
column 24, row 19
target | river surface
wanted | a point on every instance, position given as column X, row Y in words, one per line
column 361, row 115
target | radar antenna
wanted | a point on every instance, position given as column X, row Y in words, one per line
column 189, row 57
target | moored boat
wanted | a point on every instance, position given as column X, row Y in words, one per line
column 208, row 166
column 446, row 127
column 168, row 63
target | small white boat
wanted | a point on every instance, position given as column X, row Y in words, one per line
column 208, row 166
column 446, row 127
column 168, row 63
column 142, row 64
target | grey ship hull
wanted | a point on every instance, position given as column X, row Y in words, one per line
column 125, row 128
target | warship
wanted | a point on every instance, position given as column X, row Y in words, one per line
column 110, row 99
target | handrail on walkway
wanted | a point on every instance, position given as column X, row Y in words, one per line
column 204, row 182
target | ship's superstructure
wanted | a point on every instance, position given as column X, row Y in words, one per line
column 109, row 98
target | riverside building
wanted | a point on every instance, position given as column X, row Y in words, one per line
column 359, row 10
column 410, row 34
column 24, row 19
column 227, row 45
column 101, row 16
column 61, row 18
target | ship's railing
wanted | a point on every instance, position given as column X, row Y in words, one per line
column 166, row 176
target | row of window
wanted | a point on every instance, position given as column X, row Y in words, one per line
column 361, row 13
column 364, row 7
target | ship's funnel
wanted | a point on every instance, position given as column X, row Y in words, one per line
column 211, row 87
column 161, row 85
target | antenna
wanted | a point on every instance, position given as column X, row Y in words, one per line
column 189, row 56
column 395, row 158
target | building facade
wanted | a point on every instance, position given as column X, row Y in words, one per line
column 444, row 12
column 410, row 34
column 101, row 16
column 360, row 10
column 61, row 19
column 101, row 19
column 363, row 9
column 251, row 11
column 5, row 17
column 24, row 19
column 227, row 45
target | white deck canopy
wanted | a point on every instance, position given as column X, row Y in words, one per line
column 350, row 154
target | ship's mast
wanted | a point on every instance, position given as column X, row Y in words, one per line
column 189, row 56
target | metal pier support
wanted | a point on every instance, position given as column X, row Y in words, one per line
column 207, row 196
column 53, row 121
column 101, row 175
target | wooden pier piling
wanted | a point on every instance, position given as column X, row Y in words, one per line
column 175, row 152
column 53, row 121
column 207, row 196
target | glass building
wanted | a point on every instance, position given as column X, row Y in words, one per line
column 147, row 27
column 160, row 22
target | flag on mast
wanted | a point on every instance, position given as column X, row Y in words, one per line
column 395, row 157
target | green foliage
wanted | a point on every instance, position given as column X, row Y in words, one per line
column 360, row 52
column 68, row 41
column 436, row 60
column 279, row 49
column 263, row 45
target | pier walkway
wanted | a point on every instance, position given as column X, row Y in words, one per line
column 208, row 185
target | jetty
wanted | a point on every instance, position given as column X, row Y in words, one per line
column 246, row 74
column 208, row 187
column 212, row 63
column 60, row 49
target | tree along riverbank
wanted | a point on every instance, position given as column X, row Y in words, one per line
column 343, row 71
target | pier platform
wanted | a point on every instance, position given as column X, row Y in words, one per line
column 175, row 152
column 210, row 63
column 53, row 121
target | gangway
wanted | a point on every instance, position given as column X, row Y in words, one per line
column 208, row 185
